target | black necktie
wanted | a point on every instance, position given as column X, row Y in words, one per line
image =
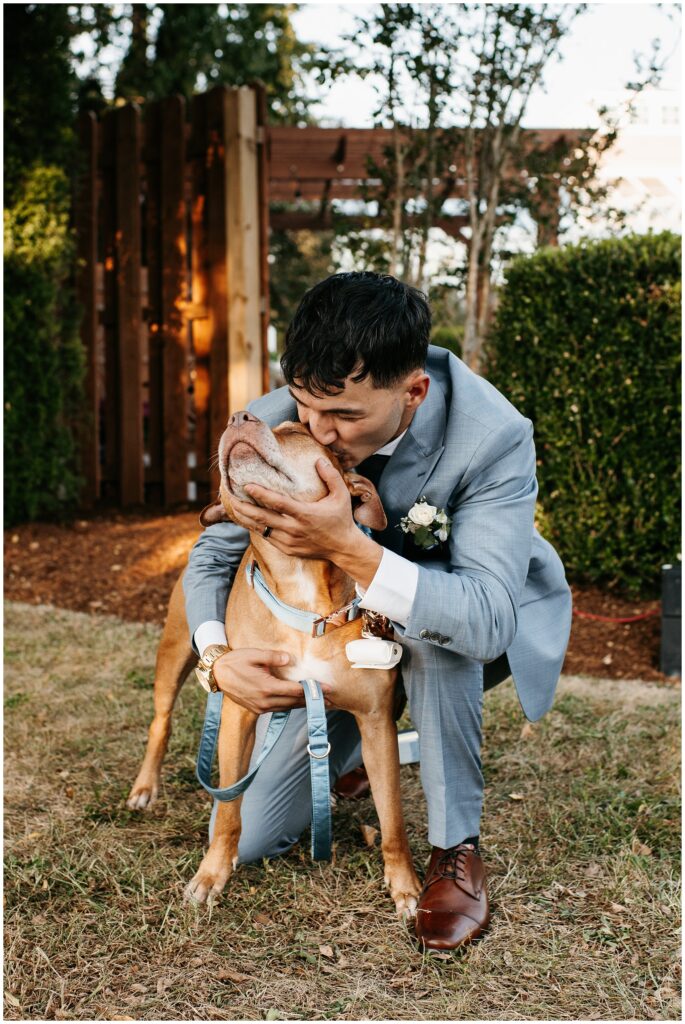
column 372, row 468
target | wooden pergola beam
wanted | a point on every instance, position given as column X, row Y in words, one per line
column 310, row 163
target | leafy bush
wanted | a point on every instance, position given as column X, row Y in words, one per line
column 586, row 342
column 44, row 364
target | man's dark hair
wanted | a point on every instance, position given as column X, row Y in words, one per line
column 356, row 325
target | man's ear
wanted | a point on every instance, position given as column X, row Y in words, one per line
column 214, row 513
column 369, row 510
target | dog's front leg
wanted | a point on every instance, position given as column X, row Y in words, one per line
column 175, row 658
column 381, row 760
column 236, row 740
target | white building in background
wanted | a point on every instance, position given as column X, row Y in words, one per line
column 647, row 159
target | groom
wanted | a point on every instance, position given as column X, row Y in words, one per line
column 490, row 601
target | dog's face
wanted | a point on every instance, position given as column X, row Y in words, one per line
column 283, row 460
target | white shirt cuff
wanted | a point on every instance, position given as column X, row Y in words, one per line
column 212, row 632
column 393, row 588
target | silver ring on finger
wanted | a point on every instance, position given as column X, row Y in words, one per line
column 266, row 531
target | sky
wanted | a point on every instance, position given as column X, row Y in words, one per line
column 597, row 61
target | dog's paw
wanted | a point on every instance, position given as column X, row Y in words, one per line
column 406, row 904
column 142, row 797
column 209, row 881
column 204, row 888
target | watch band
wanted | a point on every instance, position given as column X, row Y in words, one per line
column 203, row 669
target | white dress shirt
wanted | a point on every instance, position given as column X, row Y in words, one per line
column 391, row 591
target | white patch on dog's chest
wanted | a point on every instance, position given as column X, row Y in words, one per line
column 309, row 667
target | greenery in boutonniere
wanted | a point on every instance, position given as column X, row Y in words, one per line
column 427, row 524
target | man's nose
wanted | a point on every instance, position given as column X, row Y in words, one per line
column 320, row 428
column 243, row 416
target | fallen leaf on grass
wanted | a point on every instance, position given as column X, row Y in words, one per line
column 226, row 974
column 527, row 731
column 516, row 796
column 262, row 921
column 508, row 958
column 272, row 1015
column 327, row 951
column 369, row 833
column 163, row 984
column 137, row 987
column 639, row 849
column 618, row 908
column 441, row 956
column 12, row 1000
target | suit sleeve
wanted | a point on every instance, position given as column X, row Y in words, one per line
column 211, row 569
column 471, row 606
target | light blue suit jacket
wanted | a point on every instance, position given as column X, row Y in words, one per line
column 495, row 586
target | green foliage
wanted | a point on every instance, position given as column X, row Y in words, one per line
column 43, row 354
column 196, row 46
column 38, row 89
column 586, row 343
column 298, row 261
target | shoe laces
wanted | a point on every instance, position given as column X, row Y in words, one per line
column 451, row 863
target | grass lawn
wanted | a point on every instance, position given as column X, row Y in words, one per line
column 580, row 837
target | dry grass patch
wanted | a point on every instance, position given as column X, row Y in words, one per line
column 580, row 836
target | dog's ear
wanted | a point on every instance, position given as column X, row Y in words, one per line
column 214, row 513
column 368, row 509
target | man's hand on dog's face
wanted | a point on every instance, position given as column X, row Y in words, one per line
column 244, row 675
column 306, row 529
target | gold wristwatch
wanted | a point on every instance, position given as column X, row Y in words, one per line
column 203, row 669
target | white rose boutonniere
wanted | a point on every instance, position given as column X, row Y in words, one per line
column 428, row 524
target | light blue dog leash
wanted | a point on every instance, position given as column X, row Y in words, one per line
column 318, row 746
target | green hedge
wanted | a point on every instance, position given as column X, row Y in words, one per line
column 43, row 360
column 586, row 342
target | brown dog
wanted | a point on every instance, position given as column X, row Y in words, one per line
column 283, row 460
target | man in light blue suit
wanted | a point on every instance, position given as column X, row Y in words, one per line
column 490, row 601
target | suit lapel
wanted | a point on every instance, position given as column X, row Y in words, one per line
column 411, row 464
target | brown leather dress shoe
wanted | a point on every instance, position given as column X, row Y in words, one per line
column 353, row 785
column 453, row 906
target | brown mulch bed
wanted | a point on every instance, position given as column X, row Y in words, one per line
column 126, row 565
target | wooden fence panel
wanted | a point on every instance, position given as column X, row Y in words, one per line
column 128, row 261
column 263, row 199
column 174, row 300
column 184, row 272
column 217, row 243
column 198, row 156
column 86, row 288
column 110, row 489
column 154, row 473
column 243, row 266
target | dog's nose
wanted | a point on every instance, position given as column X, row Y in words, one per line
column 241, row 417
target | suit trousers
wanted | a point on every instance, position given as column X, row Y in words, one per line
column 277, row 807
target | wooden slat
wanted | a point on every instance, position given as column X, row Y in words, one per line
column 217, row 113
column 128, row 304
column 243, row 257
column 174, row 289
column 86, row 286
column 198, row 154
column 110, row 484
column 154, row 491
column 263, row 199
